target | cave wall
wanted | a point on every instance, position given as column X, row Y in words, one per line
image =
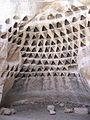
column 42, row 55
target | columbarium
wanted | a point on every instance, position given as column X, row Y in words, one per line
column 41, row 56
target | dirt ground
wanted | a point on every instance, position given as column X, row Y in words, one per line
column 42, row 114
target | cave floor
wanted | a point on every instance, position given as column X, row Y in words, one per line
column 42, row 114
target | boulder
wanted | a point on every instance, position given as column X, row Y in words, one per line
column 7, row 111
column 68, row 110
column 51, row 109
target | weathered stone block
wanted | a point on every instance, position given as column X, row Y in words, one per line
column 81, row 110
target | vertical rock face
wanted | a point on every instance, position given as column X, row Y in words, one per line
column 84, row 63
column 42, row 55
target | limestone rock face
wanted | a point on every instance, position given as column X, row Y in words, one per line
column 86, row 2
column 39, row 55
column 84, row 63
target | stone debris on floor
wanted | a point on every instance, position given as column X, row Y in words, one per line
column 68, row 110
column 81, row 110
column 7, row 111
column 42, row 114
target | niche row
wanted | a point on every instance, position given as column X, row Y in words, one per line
column 50, row 49
column 72, row 10
column 43, row 69
column 59, row 33
column 41, row 43
column 46, row 42
column 59, row 26
column 48, row 74
column 17, row 25
column 36, row 56
column 57, row 15
column 33, row 70
column 67, row 61
column 10, row 70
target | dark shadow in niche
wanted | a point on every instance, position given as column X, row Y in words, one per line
column 10, row 29
column 43, row 56
column 36, row 29
column 24, row 55
column 55, row 57
column 40, row 50
column 10, row 39
column 81, row 27
column 74, row 19
column 52, row 43
column 34, row 43
column 4, row 36
column 48, row 36
column 34, row 37
column 40, row 43
column 14, row 40
column 19, row 41
column 88, row 25
column 47, row 42
column 58, row 25
column 36, row 56
column 15, row 32
column 68, row 31
column 51, row 26
column 41, row 37
column 67, row 22
column 50, row 16
column 58, row 41
column 21, row 35
column 26, row 43
column 82, row 17
column 15, row 25
column 51, row 50
column 64, row 41
column 28, row 28
column 27, row 36
column 25, row 18
column 75, row 30
column 55, row 35
column 50, row 56
column 47, row 49
column 44, row 28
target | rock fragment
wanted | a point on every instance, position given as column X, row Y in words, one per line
column 81, row 110
column 7, row 111
column 61, row 104
column 51, row 109
column 68, row 110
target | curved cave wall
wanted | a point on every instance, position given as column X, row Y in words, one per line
column 42, row 57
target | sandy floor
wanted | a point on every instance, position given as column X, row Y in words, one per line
column 42, row 114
